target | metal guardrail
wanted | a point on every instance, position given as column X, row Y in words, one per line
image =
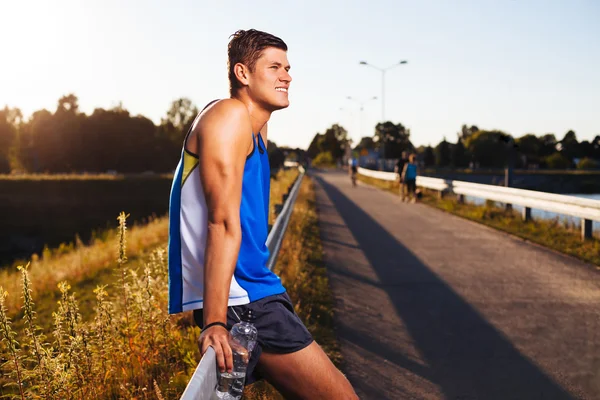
column 204, row 380
column 586, row 209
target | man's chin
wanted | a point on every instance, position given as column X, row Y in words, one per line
column 279, row 105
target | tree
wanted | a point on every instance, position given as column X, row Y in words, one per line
column 466, row 132
column 428, row 157
column 276, row 157
column 596, row 147
column 488, row 148
column 315, row 146
column 68, row 136
column 442, row 154
column 569, row 146
column 333, row 141
column 38, row 147
column 557, row 161
column 10, row 119
column 587, row 163
column 394, row 138
column 336, row 138
column 530, row 148
column 179, row 118
column 548, row 145
column 324, row 159
column 365, row 143
column 458, row 155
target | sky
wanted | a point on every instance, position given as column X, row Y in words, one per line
column 527, row 66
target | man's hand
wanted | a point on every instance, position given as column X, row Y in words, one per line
column 217, row 337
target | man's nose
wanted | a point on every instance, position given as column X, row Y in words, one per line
column 286, row 77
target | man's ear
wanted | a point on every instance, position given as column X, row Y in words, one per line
column 241, row 73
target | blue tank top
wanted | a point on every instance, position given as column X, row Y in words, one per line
column 411, row 171
column 188, row 229
column 251, row 270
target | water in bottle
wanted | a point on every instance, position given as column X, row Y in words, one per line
column 242, row 339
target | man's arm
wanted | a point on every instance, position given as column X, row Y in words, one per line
column 403, row 172
column 224, row 137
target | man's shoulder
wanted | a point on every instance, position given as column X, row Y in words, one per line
column 225, row 109
column 225, row 113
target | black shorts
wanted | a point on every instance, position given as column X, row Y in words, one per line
column 411, row 185
column 280, row 330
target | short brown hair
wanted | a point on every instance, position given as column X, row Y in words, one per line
column 246, row 47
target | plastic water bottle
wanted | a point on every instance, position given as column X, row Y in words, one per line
column 242, row 339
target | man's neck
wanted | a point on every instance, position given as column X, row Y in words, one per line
column 258, row 115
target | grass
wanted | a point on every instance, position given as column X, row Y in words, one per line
column 300, row 266
column 116, row 341
column 553, row 234
column 76, row 262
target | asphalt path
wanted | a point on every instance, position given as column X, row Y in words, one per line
column 431, row 306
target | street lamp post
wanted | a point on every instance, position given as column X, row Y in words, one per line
column 362, row 104
column 383, row 70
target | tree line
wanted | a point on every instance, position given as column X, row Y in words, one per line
column 474, row 148
column 68, row 141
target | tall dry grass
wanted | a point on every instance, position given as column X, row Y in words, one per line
column 129, row 347
column 77, row 262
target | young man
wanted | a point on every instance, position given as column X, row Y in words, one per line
column 218, row 229
column 409, row 177
column 353, row 163
column 399, row 169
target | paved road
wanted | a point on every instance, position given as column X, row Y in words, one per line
column 431, row 306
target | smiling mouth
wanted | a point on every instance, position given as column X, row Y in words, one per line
column 280, row 89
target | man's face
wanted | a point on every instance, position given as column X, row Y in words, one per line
column 270, row 81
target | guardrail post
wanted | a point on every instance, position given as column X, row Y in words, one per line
column 526, row 214
column 461, row 199
column 586, row 229
column 441, row 194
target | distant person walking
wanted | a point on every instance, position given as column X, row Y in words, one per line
column 353, row 169
column 399, row 169
column 409, row 178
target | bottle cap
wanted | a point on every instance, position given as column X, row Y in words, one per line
column 248, row 316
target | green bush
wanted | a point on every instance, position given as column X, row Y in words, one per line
column 587, row 163
column 324, row 159
column 557, row 161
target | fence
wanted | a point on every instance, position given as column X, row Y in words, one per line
column 204, row 380
column 586, row 209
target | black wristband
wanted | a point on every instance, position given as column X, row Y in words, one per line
column 215, row 323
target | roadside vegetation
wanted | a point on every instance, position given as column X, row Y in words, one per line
column 85, row 322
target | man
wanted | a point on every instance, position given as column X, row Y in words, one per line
column 398, row 169
column 218, row 229
column 353, row 167
column 409, row 177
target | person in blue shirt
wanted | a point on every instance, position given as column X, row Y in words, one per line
column 409, row 177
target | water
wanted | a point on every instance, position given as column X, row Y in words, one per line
column 540, row 214
column 231, row 385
